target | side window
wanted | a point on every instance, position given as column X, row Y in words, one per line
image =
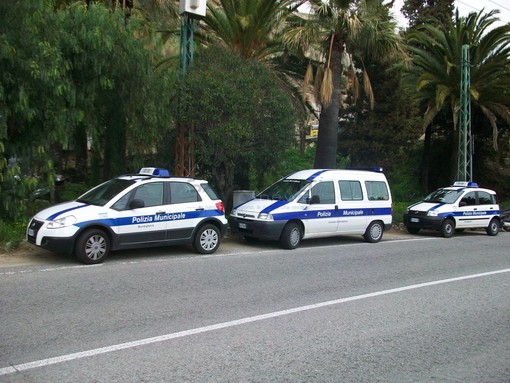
column 485, row 198
column 181, row 192
column 121, row 204
column 151, row 194
column 350, row 190
column 377, row 191
column 323, row 193
column 469, row 199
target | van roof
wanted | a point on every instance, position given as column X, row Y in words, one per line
column 320, row 174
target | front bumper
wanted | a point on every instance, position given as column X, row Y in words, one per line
column 38, row 235
column 423, row 222
column 266, row 230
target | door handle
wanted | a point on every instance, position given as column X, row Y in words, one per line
column 200, row 209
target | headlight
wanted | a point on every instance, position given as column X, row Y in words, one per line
column 432, row 213
column 266, row 216
column 407, row 210
column 62, row 222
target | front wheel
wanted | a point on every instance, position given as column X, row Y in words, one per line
column 291, row 236
column 412, row 230
column 207, row 239
column 493, row 228
column 374, row 232
column 92, row 246
column 447, row 228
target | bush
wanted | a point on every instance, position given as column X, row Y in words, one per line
column 12, row 234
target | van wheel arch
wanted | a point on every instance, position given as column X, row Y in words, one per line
column 374, row 232
column 292, row 234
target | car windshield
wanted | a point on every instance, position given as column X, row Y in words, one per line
column 101, row 194
column 443, row 196
column 284, row 190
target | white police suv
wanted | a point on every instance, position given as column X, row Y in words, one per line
column 317, row 203
column 461, row 206
column 150, row 208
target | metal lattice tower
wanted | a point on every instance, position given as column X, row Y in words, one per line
column 184, row 140
column 465, row 151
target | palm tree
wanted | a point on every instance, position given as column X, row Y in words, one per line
column 341, row 31
column 436, row 72
column 250, row 27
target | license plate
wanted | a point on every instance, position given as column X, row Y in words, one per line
column 415, row 220
column 31, row 232
column 243, row 226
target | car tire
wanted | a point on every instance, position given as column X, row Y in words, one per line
column 207, row 239
column 412, row 230
column 493, row 228
column 447, row 228
column 291, row 236
column 374, row 232
column 92, row 247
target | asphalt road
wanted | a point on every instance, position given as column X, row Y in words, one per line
column 408, row 309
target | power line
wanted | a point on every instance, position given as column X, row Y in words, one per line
column 499, row 5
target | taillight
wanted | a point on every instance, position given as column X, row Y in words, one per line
column 220, row 207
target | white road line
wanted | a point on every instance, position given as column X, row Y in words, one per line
column 238, row 322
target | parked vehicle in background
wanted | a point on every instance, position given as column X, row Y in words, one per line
column 150, row 208
column 317, row 203
column 464, row 205
column 504, row 216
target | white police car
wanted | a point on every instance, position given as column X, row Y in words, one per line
column 461, row 206
column 317, row 203
column 131, row 211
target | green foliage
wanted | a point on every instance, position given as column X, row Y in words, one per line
column 12, row 234
column 14, row 191
column 71, row 77
column 243, row 121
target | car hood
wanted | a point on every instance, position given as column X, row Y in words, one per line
column 425, row 206
column 255, row 206
column 63, row 209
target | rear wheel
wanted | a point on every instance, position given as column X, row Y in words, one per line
column 92, row 246
column 374, row 232
column 291, row 236
column 447, row 228
column 493, row 228
column 207, row 239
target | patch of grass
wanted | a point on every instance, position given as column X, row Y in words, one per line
column 12, row 234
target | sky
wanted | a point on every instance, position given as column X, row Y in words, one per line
column 467, row 6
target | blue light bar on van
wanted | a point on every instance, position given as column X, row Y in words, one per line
column 159, row 172
column 377, row 169
column 465, row 184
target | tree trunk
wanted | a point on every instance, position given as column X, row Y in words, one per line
column 327, row 141
column 425, row 165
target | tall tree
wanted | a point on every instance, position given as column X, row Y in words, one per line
column 428, row 11
column 242, row 118
column 339, row 32
column 435, row 74
column 250, row 27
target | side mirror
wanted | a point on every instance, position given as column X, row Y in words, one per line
column 315, row 199
column 136, row 204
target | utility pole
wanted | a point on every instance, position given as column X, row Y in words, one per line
column 191, row 11
column 465, row 150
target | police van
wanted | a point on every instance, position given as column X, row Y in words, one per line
column 150, row 208
column 464, row 205
column 317, row 203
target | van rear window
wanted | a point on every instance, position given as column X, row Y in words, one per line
column 377, row 191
